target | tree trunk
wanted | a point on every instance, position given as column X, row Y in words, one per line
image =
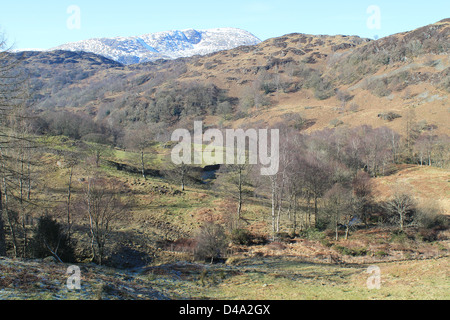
column 239, row 209
column 100, row 253
column 316, row 214
column 401, row 220
column 273, row 183
column 2, row 228
column 143, row 164
column 69, row 194
column 280, row 204
column 9, row 218
column 294, row 216
column 22, row 182
column 309, row 212
column 336, row 229
column 29, row 181
column 97, row 159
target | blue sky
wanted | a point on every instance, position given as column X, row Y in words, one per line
column 44, row 23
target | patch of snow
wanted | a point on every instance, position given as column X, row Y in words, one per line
column 164, row 45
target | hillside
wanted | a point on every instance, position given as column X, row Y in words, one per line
column 328, row 80
column 164, row 45
column 426, row 183
column 86, row 174
column 150, row 250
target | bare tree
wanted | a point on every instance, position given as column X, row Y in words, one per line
column 353, row 151
column 335, row 203
column 103, row 206
column 97, row 151
column 376, row 152
column 363, row 191
column 211, row 242
column 72, row 162
column 401, row 205
column 4, row 109
column 2, row 228
column 317, row 179
column 341, row 207
column 180, row 173
column 12, row 95
column 344, row 97
column 6, row 208
column 423, row 148
column 282, row 185
column 235, row 180
column 22, row 173
column 139, row 139
column 295, row 189
column 412, row 132
column 441, row 151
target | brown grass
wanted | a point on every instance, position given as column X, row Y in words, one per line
column 425, row 183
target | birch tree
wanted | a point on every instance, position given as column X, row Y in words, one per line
column 401, row 206
column 139, row 139
column 103, row 206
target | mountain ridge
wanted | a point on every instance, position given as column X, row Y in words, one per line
column 327, row 81
column 164, row 45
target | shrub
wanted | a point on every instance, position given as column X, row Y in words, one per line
column 398, row 236
column 276, row 246
column 380, row 253
column 354, row 107
column 211, row 242
column 313, row 234
column 241, row 237
column 445, row 83
column 299, row 121
column 225, row 109
column 389, row 116
column 428, row 216
column 235, row 260
column 49, row 239
column 428, row 235
column 269, row 87
column 351, row 251
column 336, row 123
column 380, row 87
column 323, row 93
column 344, row 97
column 283, row 237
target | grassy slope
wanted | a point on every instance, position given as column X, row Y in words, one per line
column 264, row 273
column 294, row 272
column 262, row 279
column 157, row 199
column 284, row 279
column 425, row 183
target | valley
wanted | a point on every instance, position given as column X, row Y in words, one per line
column 87, row 177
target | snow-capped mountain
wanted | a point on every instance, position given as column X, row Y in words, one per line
column 164, row 45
